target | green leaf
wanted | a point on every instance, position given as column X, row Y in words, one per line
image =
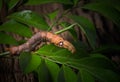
column 65, row 57
column 94, row 61
column 114, row 3
column 38, row 2
column 97, row 61
column 7, row 39
column 61, row 77
column 47, row 50
column 66, row 74
column 75, row 2
column 104, row 75
column 84, row 76
column 16, row 27
column 52, row 15
column 98, row 70
column 53, row 68
column 87, row 27
column 15, row 3
column 54, row 50
column 89, row 64
column 69, row 74
column 44, row 73
column 50, row 50
column 30, row 18
column 70, row 28
column 29, row 62
column 12, row 3
column 107, row 49
column 106, row 10
column 24, row 60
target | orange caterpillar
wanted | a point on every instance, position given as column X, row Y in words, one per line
column 42, row 36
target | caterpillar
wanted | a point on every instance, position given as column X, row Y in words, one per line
column 42, row 36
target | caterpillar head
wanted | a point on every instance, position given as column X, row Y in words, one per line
column 60, row 42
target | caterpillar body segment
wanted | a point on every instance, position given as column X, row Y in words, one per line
column 42, row 36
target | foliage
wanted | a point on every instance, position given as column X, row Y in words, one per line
column 53, row 64
column 105, row 9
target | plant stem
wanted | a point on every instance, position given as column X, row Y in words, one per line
column 65, row 29
column 56, row 22
column 4, row 53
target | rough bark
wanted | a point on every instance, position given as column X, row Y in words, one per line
column 11, row 72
